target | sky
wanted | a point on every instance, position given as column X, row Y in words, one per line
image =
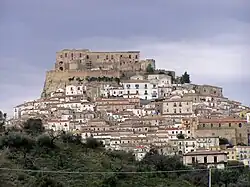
column 209, row 39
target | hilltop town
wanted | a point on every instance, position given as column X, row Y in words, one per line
column 129, row 104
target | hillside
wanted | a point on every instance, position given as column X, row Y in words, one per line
column 31, row 151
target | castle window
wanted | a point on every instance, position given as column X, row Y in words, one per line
column 66, row 54
column 80, row 55
column 129, row 56
column 136, row 57
column 87, row 56
column 112, row 57
column 61, row 62
column 107, row 57
column 240, row 125
column 61, row 68
column 72, row 55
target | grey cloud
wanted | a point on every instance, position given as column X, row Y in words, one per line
column 74, row 19
column 32, row 31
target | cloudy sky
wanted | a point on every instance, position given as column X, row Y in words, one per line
column 208, row 38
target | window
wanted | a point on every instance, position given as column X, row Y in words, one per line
column 128, row 86
column 129, row 56
column 212, row 125
column 87, row 56
column 66, row 54
column 174, row 110
column 136, row 57
column 97, row 56
column 137, row 86
column 204, row 125
column 205, row 160
column 112, row 57
column 146, row 92
column 80, row 55
column 215, row 159
column 240, row 125
column 128, row 92
column 107, row 57
column 146, row 86
column 219, row 125
column 137, row 92
column 175, row 105
column 229, row 124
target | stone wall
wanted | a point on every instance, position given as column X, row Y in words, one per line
column 57, row 79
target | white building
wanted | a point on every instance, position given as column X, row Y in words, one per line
column 143, row 88
column 248, row 117
column 217, row 159
column 207, row 142
column 58, row 125
column 161, row 80
column 184, row 145
column 75, row 90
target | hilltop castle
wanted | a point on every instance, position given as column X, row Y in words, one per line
column 85, row 63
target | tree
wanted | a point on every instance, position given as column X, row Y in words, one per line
column 185, row 78
column 150, row 69
column 33, row 126
column 3, row 117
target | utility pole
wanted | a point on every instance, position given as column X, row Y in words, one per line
column 210, row 178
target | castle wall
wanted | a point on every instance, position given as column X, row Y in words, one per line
column 86, row 60
column 58, row 79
